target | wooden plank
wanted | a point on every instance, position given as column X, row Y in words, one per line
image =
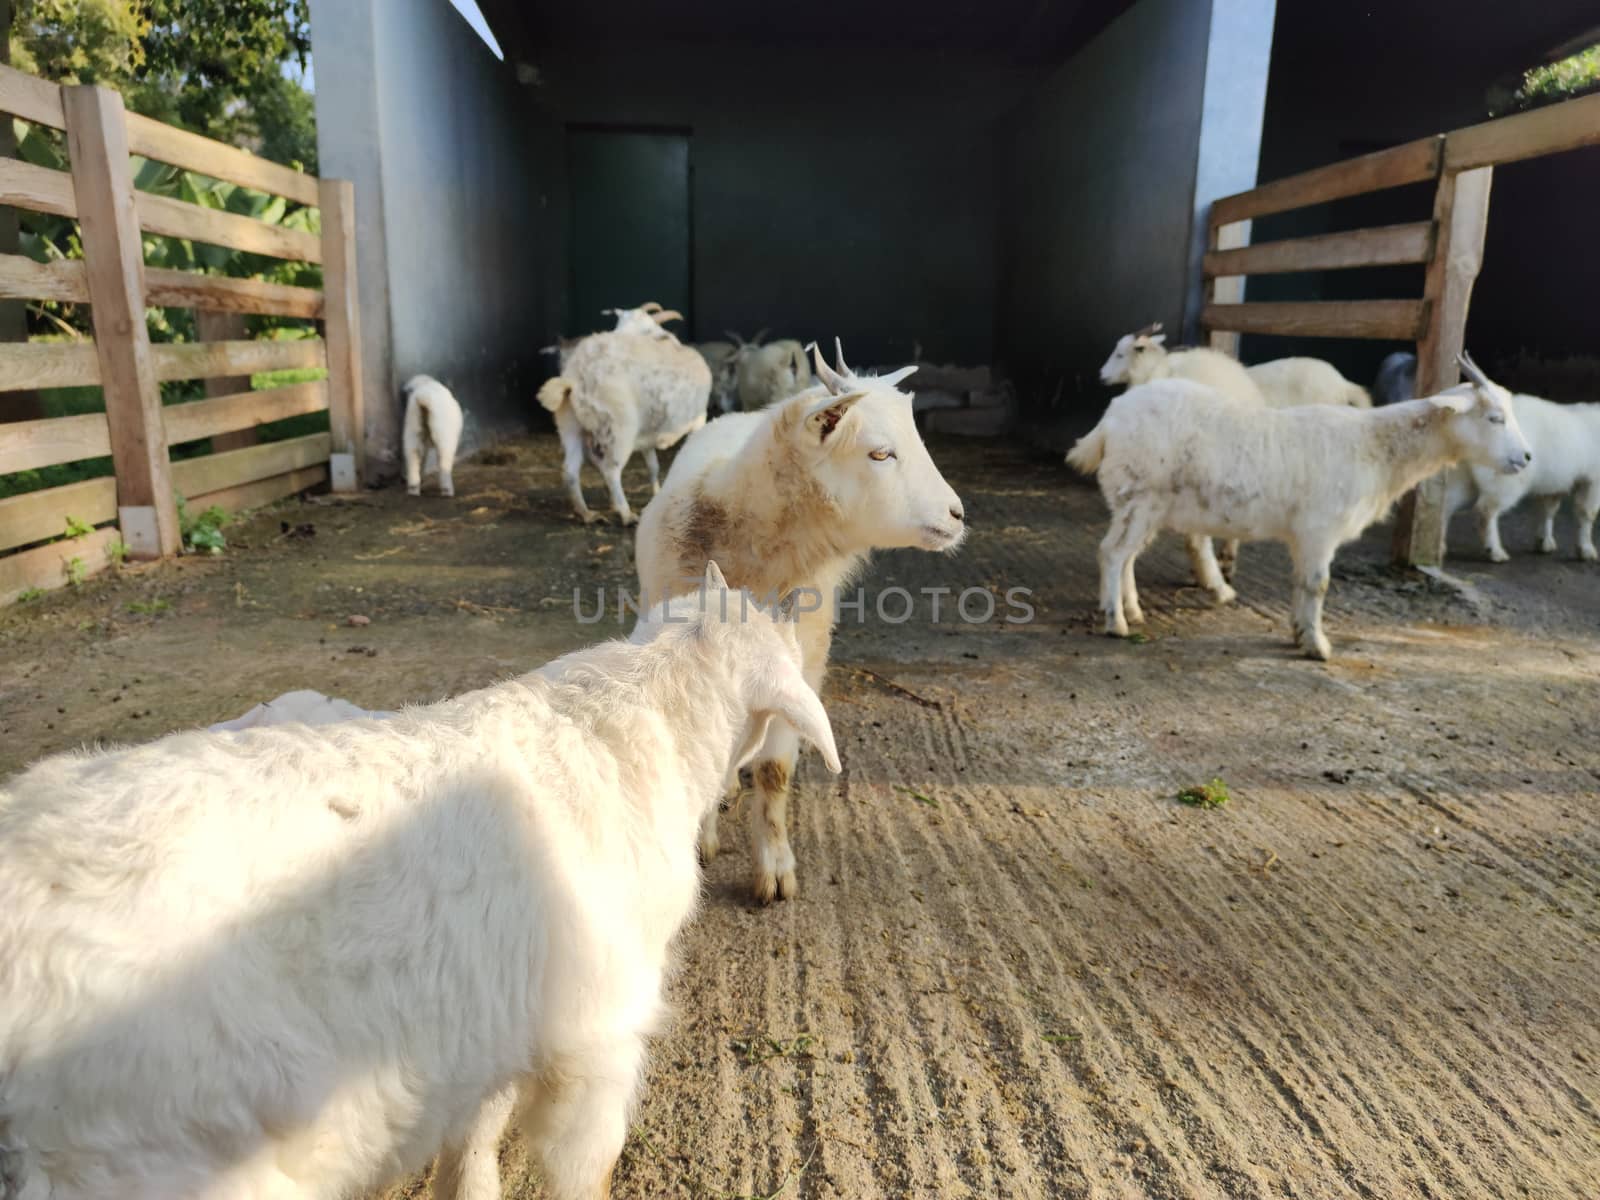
column 178, row 218
column 167, row 144
column 1397, row 320
column 240, row 410
column 114, row 254
column 1552, row 130
column 198, row 360
column 29, row 445
column 60, row 279
column 1226, row 289
column 31, row 98
column 47, row 567
column 1461, row 212
column 1383, row 246
column 214, row 472
column 48, row 365
column 38, row 189
column 342, row 328
column 1408, row 163
column 218, row 293
column 263, row 491
column 35, row 516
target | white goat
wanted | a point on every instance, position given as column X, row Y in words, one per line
column 433, row 418
column 298, row 962
column 1142, row 356
column 621, row 392
column 764, row 375
column 302, row 707
column 1565, row 440
column 1291, row 382
column 722, row 359
column 796, row 496
column 1172, row 454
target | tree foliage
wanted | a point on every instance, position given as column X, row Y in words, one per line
column 1549, row 83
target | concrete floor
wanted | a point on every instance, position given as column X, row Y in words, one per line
column 1017, row 967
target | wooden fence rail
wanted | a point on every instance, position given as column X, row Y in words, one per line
column 136, row 430
column 1460, row 165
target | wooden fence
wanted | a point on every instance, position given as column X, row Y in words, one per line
column 135, row 429
column 1450, row 245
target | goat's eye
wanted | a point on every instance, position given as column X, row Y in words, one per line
column 880, row 455
column 1138, row 349
column 1496, row 419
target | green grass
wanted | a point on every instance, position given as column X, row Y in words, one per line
column 1206, row 795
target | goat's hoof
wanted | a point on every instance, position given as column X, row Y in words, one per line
column 787, row 887
column 1548, row 546
column 1224, row 595
column 709, row 848
column 1319, row 648
column 628, row 519
column 1117, row 626
column 1499, row 556
column 1588, row 554
column 447, row 491
column 413, row 491
column 589, row 518
column 765, row 889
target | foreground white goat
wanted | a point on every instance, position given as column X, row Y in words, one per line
column 1565, row 440
column 1174, row 455
column 433, row 418
column 297, row 962
column 1291, row 382
column 796, row 496
column 1141, row 357
column 621, row 392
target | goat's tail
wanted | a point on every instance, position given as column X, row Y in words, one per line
column 555, row 392
column 1088, row 451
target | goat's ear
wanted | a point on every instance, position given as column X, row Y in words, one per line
column 781, row 690
column 714, row 577
column 823, row 420
column 1458, row 399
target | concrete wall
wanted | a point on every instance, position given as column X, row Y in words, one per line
column 434, row 131
column 845, row 193
column 1109, row 166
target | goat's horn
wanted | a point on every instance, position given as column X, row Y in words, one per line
column 662, row 316
column 1472, row 370
column 734, row 337
column 838, row 357
column 650, row 307
column 1149, row 330
column 831, row 379
column 760, row 333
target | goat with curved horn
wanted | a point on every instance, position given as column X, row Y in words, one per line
column 838, row 357
column 1472, row 370
column 650, row 306
column 1149, row 330
column 836, row 383
column 662, row 315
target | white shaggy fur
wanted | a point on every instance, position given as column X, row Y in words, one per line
column 764, row 375
column 621, row 392
column 1291, row 382
column 1143, row 356
column 296, row 963
column 1565, row 440
column 1172, row 454
column 647, row 320
column 433, row 418
column 796, row 496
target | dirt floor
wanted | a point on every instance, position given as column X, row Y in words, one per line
column 1017, row 966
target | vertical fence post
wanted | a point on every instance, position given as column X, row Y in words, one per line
column 342, row 331
column 1460, row 220
column 1227, row 289
column 97, row 140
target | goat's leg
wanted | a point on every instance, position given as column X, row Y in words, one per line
column 611, row 468
column 470, row 1169
column 413, row 453
column 1130, row 593
column 1208, row 574
column 445, row 446
column 654, row 465
column 772, row 858
column 1228, row 559
column 1548, row 506
column 576, row 1118
column 1585, row 506
column 710, row 841
column 1489, row 510
column 572, row 464
column 1311, row 563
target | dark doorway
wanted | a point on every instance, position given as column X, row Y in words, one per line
column 630, row 222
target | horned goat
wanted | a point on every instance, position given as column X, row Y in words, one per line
column 648, row 320
column 301, row 962
column 1172, row 454
column 621, row 392
column 797, row 496
column 1565, row 440
column 433, row 418
column 1291, row 382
